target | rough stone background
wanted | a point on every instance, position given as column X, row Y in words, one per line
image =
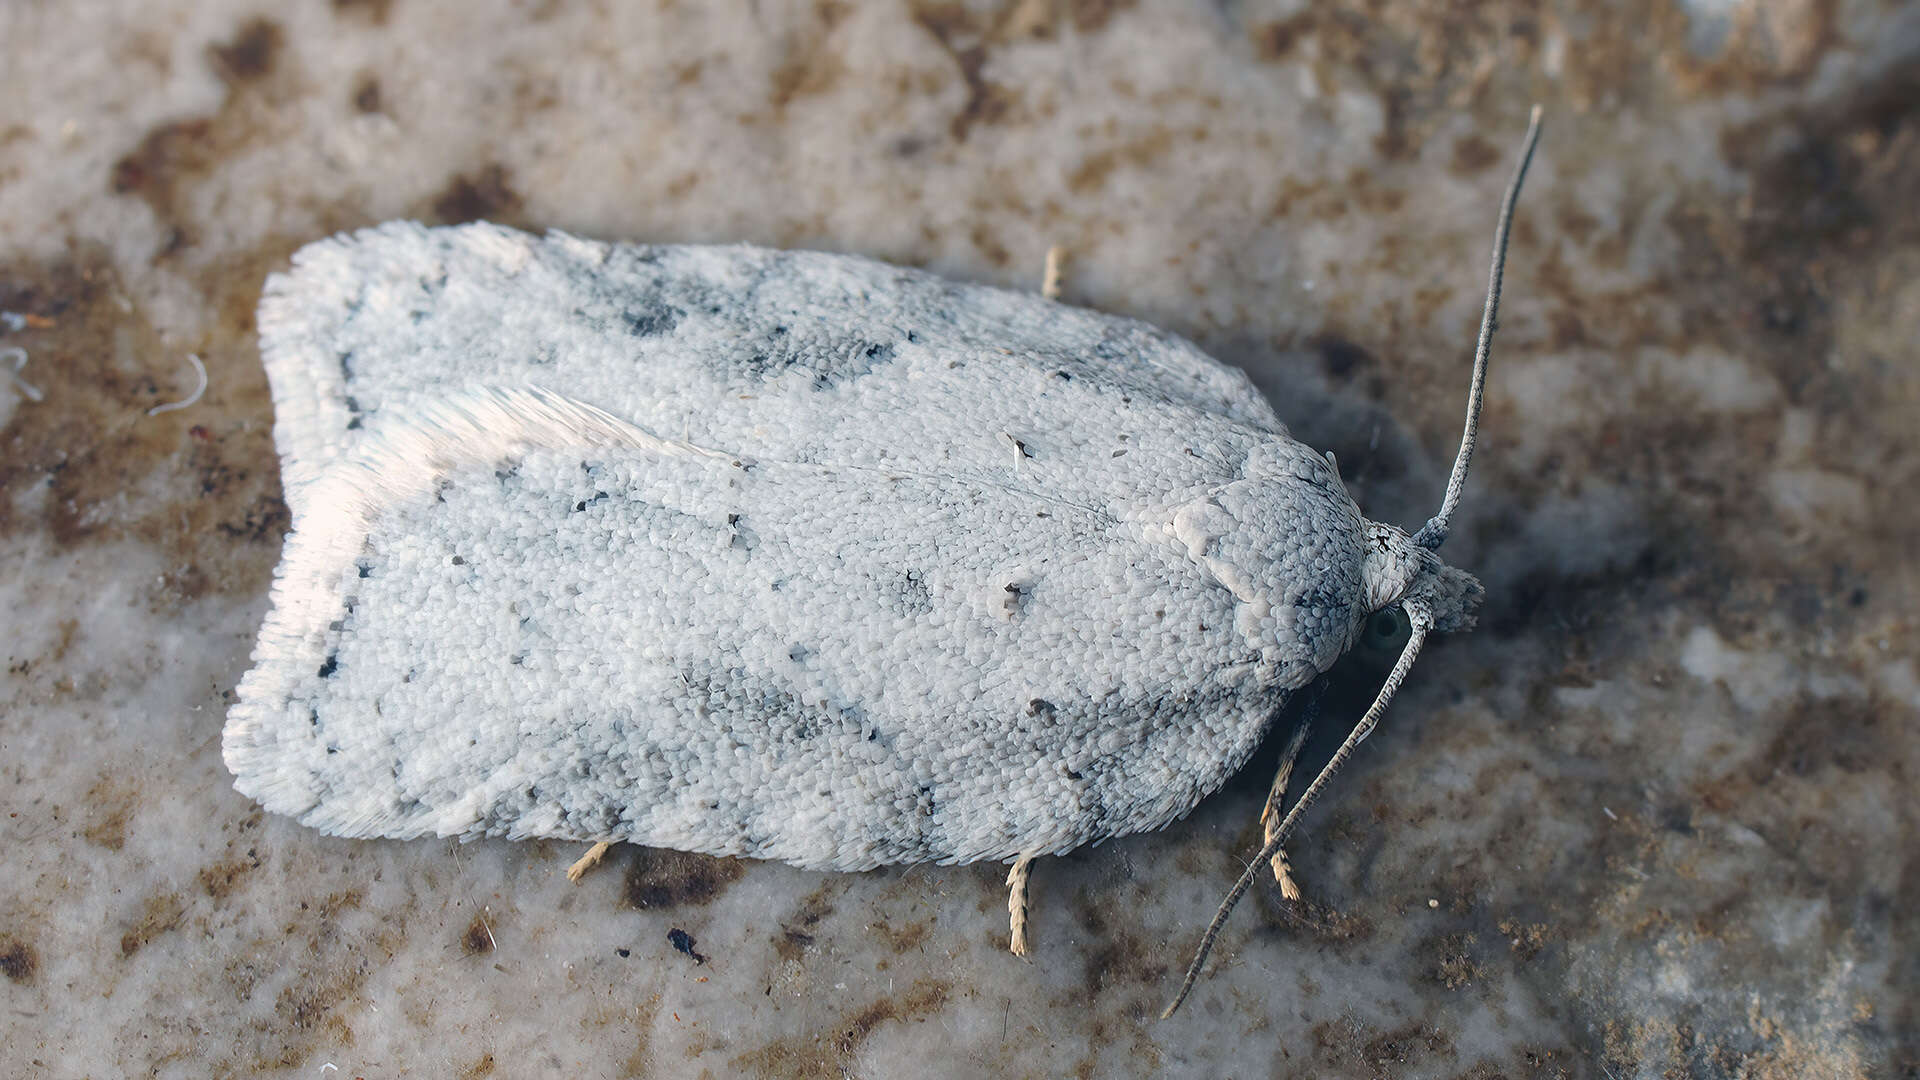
column 1653, row 819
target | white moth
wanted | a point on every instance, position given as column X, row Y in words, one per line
column 780, row 554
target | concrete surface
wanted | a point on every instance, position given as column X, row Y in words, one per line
column 1654, row 818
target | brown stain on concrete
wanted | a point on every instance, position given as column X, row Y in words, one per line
column 812, row 67
column 86, row 464
column 222, row 879
column 159, row 914
column 1473, row 154
column 370, row 12
column 1450, row 960
column 659, row 878
column 331, row 948
column 1092, row 173
column 477, row 939
column 251, row 54
column 796, row 934
column 176, row 156
column 484, row 195
column 828, row 1053
column 366, row 94
column 110, row 805
column 19, row 962
column 907, row 936
column 968, row 38
column 1425, row 62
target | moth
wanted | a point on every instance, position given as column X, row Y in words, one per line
column 784, row 555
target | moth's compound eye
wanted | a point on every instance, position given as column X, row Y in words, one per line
column 1387, row 631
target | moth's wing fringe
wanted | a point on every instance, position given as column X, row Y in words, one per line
column 301, row 312
column 399, row 461
column 304, row 310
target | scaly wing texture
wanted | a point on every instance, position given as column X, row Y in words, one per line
column 799, row 356
column 507, row 613
column 962, row 574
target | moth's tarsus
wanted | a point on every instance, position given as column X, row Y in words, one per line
column 1434, row 532
column 1050, row 277
column 1277, row 797
column 588, row 861
column 1017, row 879
column 1430, row 536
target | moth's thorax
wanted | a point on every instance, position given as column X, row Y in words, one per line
column 1290, row 545
column 1399, row 571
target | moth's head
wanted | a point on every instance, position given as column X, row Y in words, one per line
column 1405, row 581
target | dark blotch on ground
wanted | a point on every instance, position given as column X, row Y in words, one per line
column 18, row 961
column 251, row 53
column 684, row 942
column 478, row 938
column 657, row 878
column 486, row 195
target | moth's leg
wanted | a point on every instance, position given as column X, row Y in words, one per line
column 1017, row 903
column 1050, row 277
column 1270, row 815
column 588, row 861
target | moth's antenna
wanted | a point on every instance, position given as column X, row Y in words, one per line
column 1422, row 620
column 1434, row 532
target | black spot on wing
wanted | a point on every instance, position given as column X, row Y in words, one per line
column 354, row 417
column 831, row 363
column 629, row 295
column 1016, row 593
column 650, row 319
column 760, row 365
column 773, row 703
column 915, row 597
column 744, row 539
